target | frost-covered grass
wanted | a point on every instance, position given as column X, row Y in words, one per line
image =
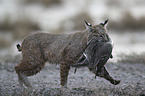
column 82, row 83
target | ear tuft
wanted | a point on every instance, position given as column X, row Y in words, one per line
column 106, row 21
column 87, row 24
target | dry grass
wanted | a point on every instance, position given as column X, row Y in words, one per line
column 132, row 58
column 24, row 27
column 43, row 2
column 128, row 22
column 20, row 28
column 5, row 40
column 78, row 20
column 6, row 23
column 5, row 43
column 113, row 3
column 75, row 23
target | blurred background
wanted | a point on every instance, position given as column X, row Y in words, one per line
column 19, row 18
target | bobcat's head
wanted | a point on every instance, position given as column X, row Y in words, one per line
column 98, row 31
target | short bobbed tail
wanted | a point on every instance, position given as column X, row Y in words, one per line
column 19, row 47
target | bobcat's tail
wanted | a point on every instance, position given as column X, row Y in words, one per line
column 19, row 47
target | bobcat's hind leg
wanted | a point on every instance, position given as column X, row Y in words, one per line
column 24, row 80
column 20, row 81
column 28, row 68
column 64, row 71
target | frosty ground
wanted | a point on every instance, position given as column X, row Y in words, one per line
column 82, row 83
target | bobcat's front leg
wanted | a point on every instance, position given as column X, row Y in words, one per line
column 64, row 71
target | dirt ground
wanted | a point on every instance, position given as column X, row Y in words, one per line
column 83, row 83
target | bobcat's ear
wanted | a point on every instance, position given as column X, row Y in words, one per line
column 88, row 25
column 106, row 21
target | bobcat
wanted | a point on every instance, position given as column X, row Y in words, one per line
column 91, row 48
